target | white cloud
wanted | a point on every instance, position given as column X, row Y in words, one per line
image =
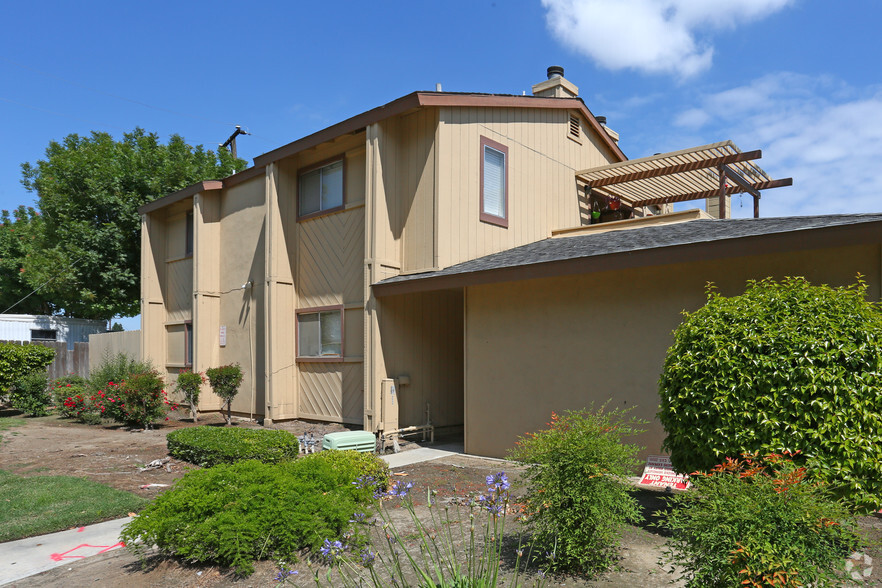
column 825, row 135
column 655, row 36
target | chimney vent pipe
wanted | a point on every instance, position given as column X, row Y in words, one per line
column 555, row 71
column 601, row 119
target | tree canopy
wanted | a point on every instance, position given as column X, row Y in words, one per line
column 82, row 244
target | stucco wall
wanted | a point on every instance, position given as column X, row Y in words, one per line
column 555, row 344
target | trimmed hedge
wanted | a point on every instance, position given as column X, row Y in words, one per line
column 208, row 446
column 234, row 514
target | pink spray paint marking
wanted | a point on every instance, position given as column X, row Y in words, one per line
column 81, row 529
column 86, row 551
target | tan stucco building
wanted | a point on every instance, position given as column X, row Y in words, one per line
column 441, row 243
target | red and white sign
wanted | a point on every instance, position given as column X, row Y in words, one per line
column 659, row 472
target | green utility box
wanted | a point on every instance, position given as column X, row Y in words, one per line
column 363, row 441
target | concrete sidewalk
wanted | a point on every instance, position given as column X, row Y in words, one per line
column 27, row 557
column 31, row 556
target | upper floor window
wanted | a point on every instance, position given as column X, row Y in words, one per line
column 494, row 182
column 321, row 188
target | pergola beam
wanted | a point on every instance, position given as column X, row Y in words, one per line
column 701, row 195
column 673, row 169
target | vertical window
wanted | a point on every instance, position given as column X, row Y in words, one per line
column 188, row 244
column 494, row 182
column 321, row 189
column 320, row 334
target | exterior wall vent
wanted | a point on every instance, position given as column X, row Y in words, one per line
column 575, row 127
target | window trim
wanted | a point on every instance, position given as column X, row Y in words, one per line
column 313, row 167
column 324, row 358
column 43, row 331
column 500, row 221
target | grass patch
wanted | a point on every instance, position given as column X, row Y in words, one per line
column 46, row 504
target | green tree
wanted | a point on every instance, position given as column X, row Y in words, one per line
column 88, row 193
column 786, row 366
column 20, row 233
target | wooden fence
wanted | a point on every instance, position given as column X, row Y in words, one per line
column 67, row 361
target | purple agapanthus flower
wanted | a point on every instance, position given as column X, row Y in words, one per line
column 364, row 482
column 400, row 489
column 497, row 481
column 367, row 557
column 358, row 518
column 331, row 550
column 284, row 573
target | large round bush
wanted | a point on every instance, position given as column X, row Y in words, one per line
column 786, row 366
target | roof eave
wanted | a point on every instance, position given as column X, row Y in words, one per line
column 794, row 240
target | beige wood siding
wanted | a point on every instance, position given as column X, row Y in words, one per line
column 421, row 337
column 415, row 194
column 331, row 392
column 542, row 161
column 206, row 289
column 557, row 344
column 152, row 284
column 325, row 260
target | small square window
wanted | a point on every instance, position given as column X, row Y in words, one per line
column 320, row 334
column 321, row 189
column 494, row 182
column 179, row 339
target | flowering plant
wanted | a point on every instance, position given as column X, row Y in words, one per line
column 448, row 549
column 759, row 521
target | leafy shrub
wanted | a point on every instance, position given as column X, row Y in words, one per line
column 234, row 514
column 19, row 360
column 116, row 368
column 447, row 558
column 209, row 446
column 759, row 522
column 67, row 387
column 142, row 399
column 225, row 381
column 188, row 386
column 786, row 366
column 577, row 489
column 30, row 394
column 362, row 465
column 109, row 403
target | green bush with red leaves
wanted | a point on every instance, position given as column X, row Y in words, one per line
column 759, row 521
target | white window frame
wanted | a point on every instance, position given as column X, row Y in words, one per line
column 492, row 217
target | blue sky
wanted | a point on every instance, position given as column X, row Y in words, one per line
column 799, row 79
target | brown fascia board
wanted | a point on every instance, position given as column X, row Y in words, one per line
column 394, row 108
column 187, row 192
column 798, row 240
column 204, row 186
column 420, row 99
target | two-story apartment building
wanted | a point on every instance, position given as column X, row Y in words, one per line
column 392, row 247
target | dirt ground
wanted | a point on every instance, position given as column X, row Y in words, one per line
column 114, row 455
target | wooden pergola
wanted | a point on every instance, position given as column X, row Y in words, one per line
column 718, row 169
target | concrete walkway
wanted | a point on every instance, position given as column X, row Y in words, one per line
column 31, row 556
column 27, row 557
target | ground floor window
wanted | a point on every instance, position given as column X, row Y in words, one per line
column 179, row 344
column 320, row 332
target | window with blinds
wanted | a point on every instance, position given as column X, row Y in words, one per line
column 321, row 189
column 494, row 182
column 320, row 334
